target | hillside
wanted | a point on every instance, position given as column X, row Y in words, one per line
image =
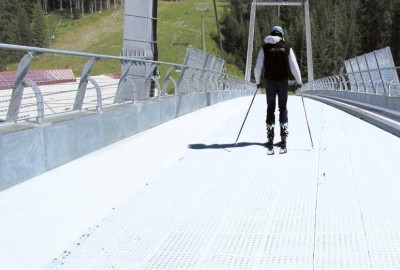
column 178, row 27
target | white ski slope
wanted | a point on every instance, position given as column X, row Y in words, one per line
column 181, row 196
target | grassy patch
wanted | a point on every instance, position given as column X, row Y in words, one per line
column 179, row 26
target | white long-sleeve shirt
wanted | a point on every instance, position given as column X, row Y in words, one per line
column 294, row 67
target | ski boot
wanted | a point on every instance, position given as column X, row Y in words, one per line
column 284, row 135
column 270, row 136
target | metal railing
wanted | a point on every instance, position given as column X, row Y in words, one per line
column 379, row 86
column 370, row 73
column 27, row 101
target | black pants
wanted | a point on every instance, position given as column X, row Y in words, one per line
column 279, row 89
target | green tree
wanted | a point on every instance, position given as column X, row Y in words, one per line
column 378, row 25
column 395, row 34
column 38, row 27
column 235, row 30
column 12, row 19
column 24, row 31
column 8, row 24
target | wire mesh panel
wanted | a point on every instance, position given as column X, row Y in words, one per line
column 357, row 75
column 373, row 72
column 349, row 70
column 192, row 79
column 389, row 75
column 362, row 64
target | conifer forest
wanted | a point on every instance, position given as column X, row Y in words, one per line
column 341, row 29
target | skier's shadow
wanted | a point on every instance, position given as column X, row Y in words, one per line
column 200, row 146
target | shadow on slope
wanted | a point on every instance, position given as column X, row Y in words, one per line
column 200, row 146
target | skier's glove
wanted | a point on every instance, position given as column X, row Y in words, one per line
column 298, row 85
column 259, row 86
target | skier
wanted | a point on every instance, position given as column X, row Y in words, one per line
column 276, row 58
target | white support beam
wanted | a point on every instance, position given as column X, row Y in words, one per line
column 250, row 41
column 310, row 66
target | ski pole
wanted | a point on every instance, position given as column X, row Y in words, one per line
column 309, row 131
column 246, row 115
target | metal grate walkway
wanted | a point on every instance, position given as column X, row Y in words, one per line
column 185, row 198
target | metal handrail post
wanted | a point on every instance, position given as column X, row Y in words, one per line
column 18, row 88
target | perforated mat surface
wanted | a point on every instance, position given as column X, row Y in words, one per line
column 212, row 205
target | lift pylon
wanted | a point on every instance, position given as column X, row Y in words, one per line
column 256, row 3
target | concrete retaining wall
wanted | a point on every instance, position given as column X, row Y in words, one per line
column 27, row 150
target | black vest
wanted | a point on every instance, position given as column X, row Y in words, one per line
column 276, row 61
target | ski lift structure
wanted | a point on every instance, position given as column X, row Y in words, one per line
column 202, row 7
column 250, row 47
